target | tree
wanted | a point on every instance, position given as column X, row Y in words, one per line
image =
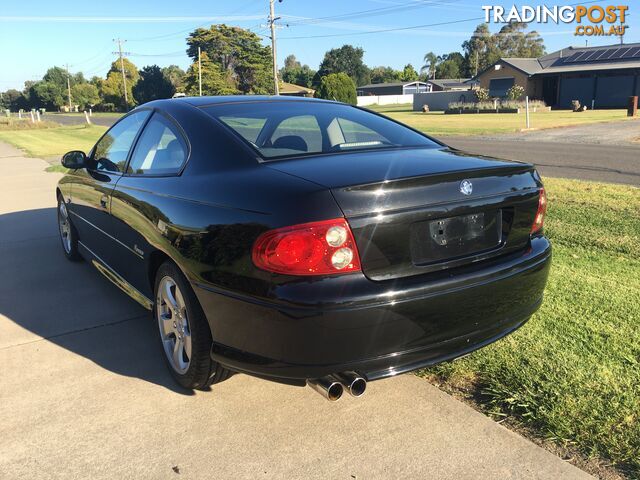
column 484, row 49
column 296, row 73
column 339, row 87
column 56, row 76
column 239, row 55
column 291, row 62
column 302, row 76
column 112, row 89
column 47, row 95
column 176, row 76
column 450, row 65
column 11, row 99
column 85, row 95
column 481, row 50
column 384, row 75
column 409, row 73
column 346, row 59
column 513, row 42
column 153, row 85
column 215, row 81
column 430, row 62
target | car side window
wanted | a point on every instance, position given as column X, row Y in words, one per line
column 161, row 150
column 111, row 151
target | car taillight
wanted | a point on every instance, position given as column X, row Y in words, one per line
column 316, row 248
column 538, row 221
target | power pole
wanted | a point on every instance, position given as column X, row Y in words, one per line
column 68, row 87
column 200, row 71
column 272, row 25
column 124, row 77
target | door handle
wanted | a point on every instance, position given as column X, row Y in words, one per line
column 103, row 201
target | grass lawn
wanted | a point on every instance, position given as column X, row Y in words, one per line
column 53, row 141
column 572, row 374
column 437, row 123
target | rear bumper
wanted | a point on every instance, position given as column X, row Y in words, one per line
column 312, row 328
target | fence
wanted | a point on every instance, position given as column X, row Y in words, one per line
column 384, row 99
column 440, row 100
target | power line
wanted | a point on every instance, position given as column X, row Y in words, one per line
column 414, row 27
column 371, row 12
column 168, row 54
column 368, row 32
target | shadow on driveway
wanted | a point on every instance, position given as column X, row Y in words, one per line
column 43, row 295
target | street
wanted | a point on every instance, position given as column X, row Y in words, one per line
column 599, row 163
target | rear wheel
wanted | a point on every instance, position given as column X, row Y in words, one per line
column 68, row 235
column 184, row 331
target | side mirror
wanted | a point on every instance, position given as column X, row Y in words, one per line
column 74, row 159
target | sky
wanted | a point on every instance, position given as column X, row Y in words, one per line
column 38, row 34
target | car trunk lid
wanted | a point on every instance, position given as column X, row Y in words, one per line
column 414, row 211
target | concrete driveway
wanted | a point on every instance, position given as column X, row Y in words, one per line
column 85, row 394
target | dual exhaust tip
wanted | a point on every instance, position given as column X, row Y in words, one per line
column 332, row 387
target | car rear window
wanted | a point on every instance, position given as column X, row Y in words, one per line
column 297, row 128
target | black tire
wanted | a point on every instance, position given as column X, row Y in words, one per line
column 201, row 371
column 67, row 232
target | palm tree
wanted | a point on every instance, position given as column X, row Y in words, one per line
column 430, row 62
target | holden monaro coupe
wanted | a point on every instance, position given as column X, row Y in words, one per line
column 305, row 241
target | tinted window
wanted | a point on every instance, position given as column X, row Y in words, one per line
column 160, row 149
column 110, row 153
column 498, row 86
column 295, row 128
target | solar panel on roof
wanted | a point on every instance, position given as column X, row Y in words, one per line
column 603, row 54
column 575, row 57
column 632, row 53
column 608, row 54
column 599, row 55
column 590, row 56
column 619, row 53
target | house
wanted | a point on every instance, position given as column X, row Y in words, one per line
column 448, row 84
column 602, row 77
column 292, row 90
column 397, row 88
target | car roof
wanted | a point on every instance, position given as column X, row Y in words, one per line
column 204, row 101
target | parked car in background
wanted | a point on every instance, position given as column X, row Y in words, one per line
column 305, row 241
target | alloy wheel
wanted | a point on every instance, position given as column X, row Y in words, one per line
column 173, row 324
column 64, row 226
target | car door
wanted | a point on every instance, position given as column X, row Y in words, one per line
column 91, row 198
column 142, row 200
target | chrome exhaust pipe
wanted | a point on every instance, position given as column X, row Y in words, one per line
column 354, row 383
column 329, row 387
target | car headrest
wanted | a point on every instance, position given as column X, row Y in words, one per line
column 291, row 142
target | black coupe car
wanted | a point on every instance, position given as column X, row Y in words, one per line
column 305, row 241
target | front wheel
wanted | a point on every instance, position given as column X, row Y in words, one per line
column 184, row 331
column 68, row 235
